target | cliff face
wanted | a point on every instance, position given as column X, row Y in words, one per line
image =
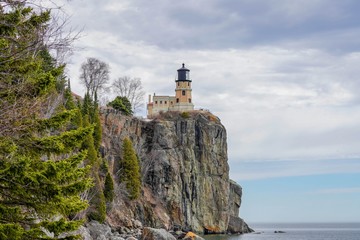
column 184, row 172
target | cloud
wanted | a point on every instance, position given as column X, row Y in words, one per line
column 283, row 76
column 338, row 191
column 266, row 169
column 216, row 24
column 270, row 109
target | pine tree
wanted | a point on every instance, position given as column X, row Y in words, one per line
column 97, row 124
column 97, row 209
column 68, row 98
column 38, row 182
column 130, row 173
column 87, row 106
column 109, row 188
column 41, row 177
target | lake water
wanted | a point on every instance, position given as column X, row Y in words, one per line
column 298, row 231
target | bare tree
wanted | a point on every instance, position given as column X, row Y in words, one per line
column 132, row 89
column 94, row 76
column 57, row 37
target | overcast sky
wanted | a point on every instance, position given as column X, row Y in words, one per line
column 283, row 76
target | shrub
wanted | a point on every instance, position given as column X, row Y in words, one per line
column 121, row 104
column 185, row 114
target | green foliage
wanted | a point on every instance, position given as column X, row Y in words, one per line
column 97, row 210
column 62, row 143
column 109, row 188
column 87, row 105
column 68, row 98
column 121, row 104
column 90, row 113
column 77, row 121
column 97, row 127
column 130, row 171
column 27, row 76
column 62, row 226
column 41, row 177
column 88, row 144
column 56, row 121
column 48, row 188
column 185, row 115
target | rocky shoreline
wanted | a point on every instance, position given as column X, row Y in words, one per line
column 97, row 231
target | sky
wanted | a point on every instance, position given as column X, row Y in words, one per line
column 282, row 75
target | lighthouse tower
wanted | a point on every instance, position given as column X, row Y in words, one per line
column 183, row 99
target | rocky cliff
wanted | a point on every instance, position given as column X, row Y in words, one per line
column 184, row 169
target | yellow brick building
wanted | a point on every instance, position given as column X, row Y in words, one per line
column 182, row 100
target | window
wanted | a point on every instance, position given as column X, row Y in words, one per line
column 178, row 84
column 155, row 102
column 183, row 92
column 165, row 102
column 171, row 102
column 160, row 102
column 189, row 100
column 188, row 84
column 177, row 100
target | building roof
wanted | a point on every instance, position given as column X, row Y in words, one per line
column 183, row 68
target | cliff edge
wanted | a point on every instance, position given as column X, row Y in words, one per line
column 184, row 169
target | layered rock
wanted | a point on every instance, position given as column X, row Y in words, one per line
column 184, row 171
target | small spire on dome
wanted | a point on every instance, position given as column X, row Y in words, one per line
column 183, row 65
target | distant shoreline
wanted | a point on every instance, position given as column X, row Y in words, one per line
column 304, row 225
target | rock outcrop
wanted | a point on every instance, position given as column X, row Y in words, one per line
column 156, row 234
column 236, row 224
column 184, row 169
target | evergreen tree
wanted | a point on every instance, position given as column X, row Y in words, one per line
column 97, row 209
column 68, row 98
column 109, row 188
column 87, row 106
column 88, row 144
column 130, row 173
column 78, row 119
column 121, row 104
column 40, row 174
column 97, row 124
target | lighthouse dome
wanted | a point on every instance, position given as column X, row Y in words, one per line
column 183, row 74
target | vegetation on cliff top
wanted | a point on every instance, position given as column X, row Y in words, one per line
column 121, row 104
column 177, row 115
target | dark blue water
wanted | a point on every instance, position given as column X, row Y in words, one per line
column 298, row 231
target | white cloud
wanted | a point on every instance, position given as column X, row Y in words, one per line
column 338, row 190
column 269, row 111
column 280, row 95
column 254, row 170
column 117, row 7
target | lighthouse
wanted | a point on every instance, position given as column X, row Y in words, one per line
column 183, row 90
column 182, row 101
